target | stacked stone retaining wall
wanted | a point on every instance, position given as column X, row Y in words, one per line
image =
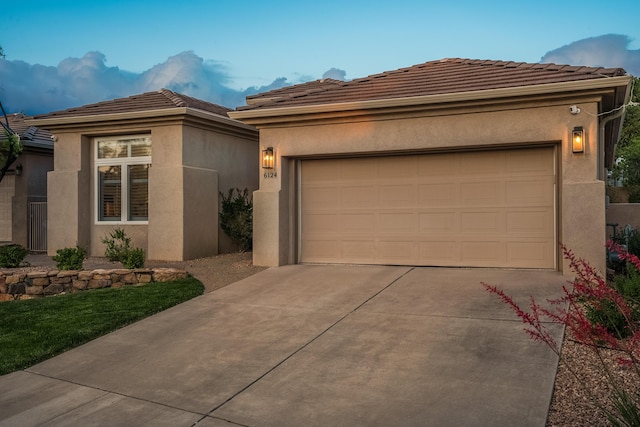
column 42, row 283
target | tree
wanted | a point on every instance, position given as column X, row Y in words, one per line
column 10, row 145
column 631, row 127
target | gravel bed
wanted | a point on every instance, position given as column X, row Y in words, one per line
column 571, row 405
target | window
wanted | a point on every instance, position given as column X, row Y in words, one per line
column 122, row 177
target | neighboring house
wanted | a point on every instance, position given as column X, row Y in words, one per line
column 453, row 162
column 23, row 190
column 152, row 164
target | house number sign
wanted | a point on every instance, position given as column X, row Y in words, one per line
column 270, row 175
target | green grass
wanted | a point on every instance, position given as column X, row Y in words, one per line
column 34, row 330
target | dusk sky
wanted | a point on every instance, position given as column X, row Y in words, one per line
column 69, row 53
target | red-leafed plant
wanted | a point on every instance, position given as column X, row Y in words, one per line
column 599, row 317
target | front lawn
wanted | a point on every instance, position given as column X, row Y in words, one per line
column 34, row 330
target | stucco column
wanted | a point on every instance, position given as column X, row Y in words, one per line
column 69, row 194
column 266, row 229
column 183, row 213
column 63, row 205
column 583, row 230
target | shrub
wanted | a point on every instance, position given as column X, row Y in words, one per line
column 133, row 258
column 236, row 217
column 117, row 244
column 70, row 258
column 590, row 291
column 118, row 248
column 11, row 256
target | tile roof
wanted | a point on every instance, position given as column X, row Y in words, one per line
column 430, row 78
column 159, row 100
column 293, row 91
column 31, row 136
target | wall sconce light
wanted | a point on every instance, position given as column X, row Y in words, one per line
column 267, row 158
column 577, row 139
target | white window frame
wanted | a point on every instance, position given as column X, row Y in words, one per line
column 124, row 163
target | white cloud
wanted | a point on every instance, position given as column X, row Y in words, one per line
column 37, row 89
column 609, row 50
column 335, row 73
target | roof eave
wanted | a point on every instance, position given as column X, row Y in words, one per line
column 511, row 92
column 135, row 115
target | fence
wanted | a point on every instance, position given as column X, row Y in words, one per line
column 37, row 226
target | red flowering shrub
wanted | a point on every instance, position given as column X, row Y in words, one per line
column 587, row 294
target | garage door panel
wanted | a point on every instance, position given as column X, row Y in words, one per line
column 439, row 166
column 482, row 222
column 321, row 250
column 394, row 252
column 362, row 196
column 356, row 170
column 357, row 223
column 397, row 222
column 399, row 195
column 319, row 223
column 488, row 193
column 398, row 167
column 532, row 161
column 438, row 222
column 531, row 222
column 436, row 195
column 529, row 254
column 483, row 209
column 488, row 253
column 530, row 191
column 321, row 197
column 359, row 250
column 481, row 163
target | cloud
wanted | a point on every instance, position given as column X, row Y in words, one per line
column 609, row 50
column 335, row 73
column 37, row 89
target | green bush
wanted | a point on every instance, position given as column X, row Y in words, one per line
column 117, row 244
column 607, row 314
column 236, row 217
column 118, row 248
column 133, row 258
column 70, row 258
column 628, row 285
column 11, row 256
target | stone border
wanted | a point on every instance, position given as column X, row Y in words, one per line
column 54, row 282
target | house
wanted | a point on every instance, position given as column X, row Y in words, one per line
column 454, row 162
column 152, row 164
column 23, row 190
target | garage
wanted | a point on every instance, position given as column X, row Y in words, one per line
column 465, row 209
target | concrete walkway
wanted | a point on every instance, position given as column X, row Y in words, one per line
column 309, row 345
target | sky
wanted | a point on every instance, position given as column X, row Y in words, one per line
column 63, row 54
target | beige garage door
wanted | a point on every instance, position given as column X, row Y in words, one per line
column 477, row 209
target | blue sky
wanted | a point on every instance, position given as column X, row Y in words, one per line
column 248, row 45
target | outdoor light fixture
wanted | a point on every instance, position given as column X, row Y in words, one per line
column 267, row 158
column 577, row 140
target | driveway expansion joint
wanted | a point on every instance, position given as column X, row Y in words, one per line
column 305, row 345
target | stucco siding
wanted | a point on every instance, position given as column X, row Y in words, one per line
column 502, row 126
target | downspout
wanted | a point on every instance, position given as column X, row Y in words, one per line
column 601, row 166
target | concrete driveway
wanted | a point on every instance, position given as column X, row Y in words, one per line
column 309, row 345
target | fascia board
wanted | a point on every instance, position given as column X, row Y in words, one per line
column 511, row 92
column 137, row 115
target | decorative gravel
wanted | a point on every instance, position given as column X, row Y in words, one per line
column 571, row 404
